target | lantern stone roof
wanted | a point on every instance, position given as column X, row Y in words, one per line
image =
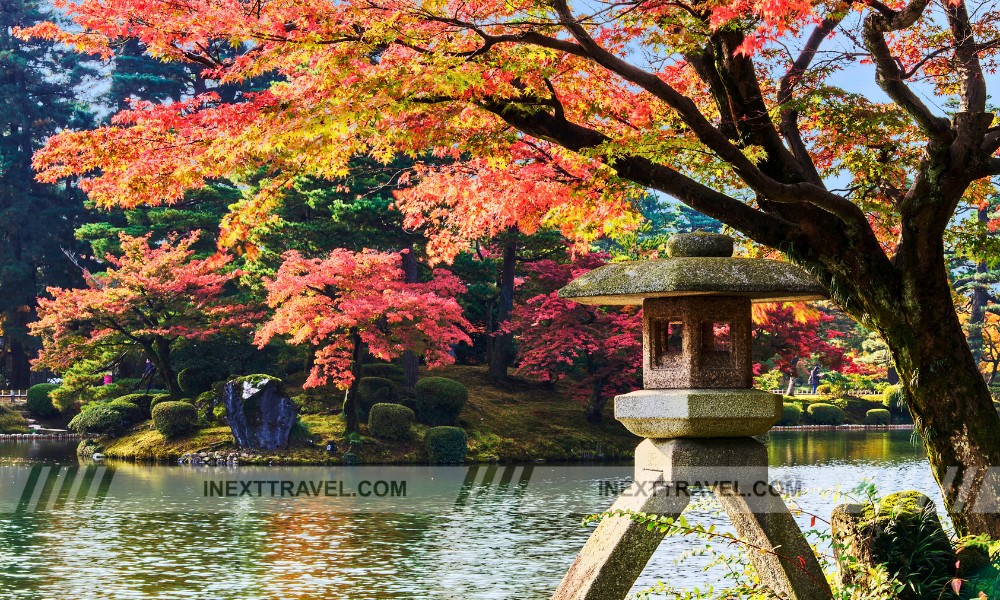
column 694, row 267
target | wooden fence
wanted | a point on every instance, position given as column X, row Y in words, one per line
column 13, row 396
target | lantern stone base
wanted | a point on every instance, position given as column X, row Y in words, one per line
column 698, row 413
column 735, row 471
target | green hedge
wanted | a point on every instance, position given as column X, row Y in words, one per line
column 143, row 401
column 446, row 445
column 11, row 421
column 791, row 414
column 824, row 389
column 172, row 418
column 877, row 416
column 388, row 371
column 821, row 413
column 390, row 421
column 132, row 412
column 39, row 401
column 106, row 418
column 440, row 400
column 158, row 398
column 856, row 408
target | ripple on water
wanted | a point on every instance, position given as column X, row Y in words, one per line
column 491, row 550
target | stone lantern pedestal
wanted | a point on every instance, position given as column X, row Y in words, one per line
column 697, row 412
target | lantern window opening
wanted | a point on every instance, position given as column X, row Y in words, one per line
column 668, row 341
column 717, row 344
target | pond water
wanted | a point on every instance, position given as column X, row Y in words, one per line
column 151, row 544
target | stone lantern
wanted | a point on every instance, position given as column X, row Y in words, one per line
column 696, row 335
column 697, row 413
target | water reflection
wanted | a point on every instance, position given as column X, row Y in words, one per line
column 501, row 547
column 786, row 448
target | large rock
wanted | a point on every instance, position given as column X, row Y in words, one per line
column 259, row 413
column 902, row 532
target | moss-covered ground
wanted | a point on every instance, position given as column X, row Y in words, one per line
column 516, row 420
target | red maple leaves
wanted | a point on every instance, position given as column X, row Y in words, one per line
column 327, row 302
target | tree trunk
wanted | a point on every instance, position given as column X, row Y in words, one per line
column 947, row 395
column 595, row 409
column 20, row 366
column 411, row 362
column 792, row 378
column 159, row 354
column 352, row 424
column 502, row 344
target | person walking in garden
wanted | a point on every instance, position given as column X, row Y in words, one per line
column 148, row 374
column 814, row 376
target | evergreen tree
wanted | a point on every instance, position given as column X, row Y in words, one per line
column 39, row 86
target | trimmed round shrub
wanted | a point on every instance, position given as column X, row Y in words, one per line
column 174, row 418
column 39, row 403
column 440, row 400
column 877, row 416
column 143, row 401
column 388, row 371
column 390, row 421
column 104, row 419
column 822, row 413
column 791, row 414
column 372, row 391
column 132, row 412
column 156, row 399
column 824, row 389
column 856, row 408
column 446, row 445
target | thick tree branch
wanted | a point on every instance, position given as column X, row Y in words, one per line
column 889, row 75
column 973, row 90
column 757, row 225
column 764, row 185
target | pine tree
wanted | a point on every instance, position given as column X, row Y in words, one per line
column 39, row 82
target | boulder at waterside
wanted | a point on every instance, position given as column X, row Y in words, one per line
column 259, row 413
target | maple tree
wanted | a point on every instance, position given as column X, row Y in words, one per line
column 152, row 299
column 732, row 107
column 599, row 349
column 349, row 302
column 787, row 334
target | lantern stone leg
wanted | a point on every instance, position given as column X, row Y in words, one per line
column 618, row 550
column 736, row 471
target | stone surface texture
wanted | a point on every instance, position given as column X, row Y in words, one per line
column 699, row 363
column 259, row 413
column 628, row 283
column 699, row 243
column 662, row 414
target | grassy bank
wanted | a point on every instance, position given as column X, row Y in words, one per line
column 514, row 421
